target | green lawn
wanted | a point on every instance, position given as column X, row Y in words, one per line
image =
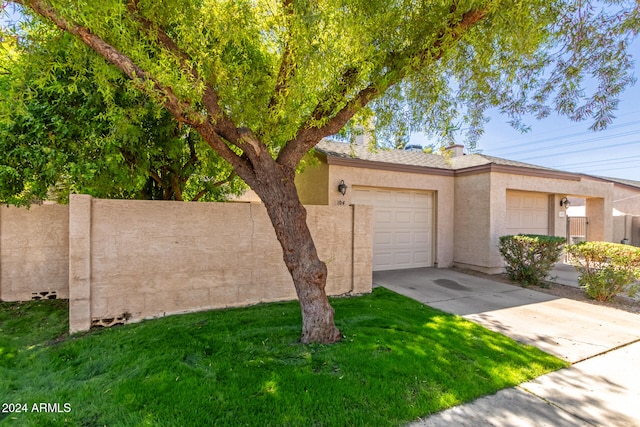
column 400, row 360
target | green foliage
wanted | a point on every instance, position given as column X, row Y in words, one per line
column 530, row 257
column 400, row 360
column 606, row 269
column 69, row 123
column 277, row 67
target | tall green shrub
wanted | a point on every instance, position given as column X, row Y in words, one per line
column 606, row 269
column 530, row 257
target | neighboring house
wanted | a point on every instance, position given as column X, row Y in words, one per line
column 430, row 211
column 626, row 212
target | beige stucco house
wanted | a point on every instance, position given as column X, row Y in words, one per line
column 430, row 211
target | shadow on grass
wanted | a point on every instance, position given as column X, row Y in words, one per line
column 399, row 360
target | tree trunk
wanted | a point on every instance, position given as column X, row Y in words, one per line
column 277, row 190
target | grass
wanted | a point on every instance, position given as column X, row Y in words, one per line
column 400, row 360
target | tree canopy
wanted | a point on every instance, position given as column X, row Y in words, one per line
column 263, row 81
column 62, row 130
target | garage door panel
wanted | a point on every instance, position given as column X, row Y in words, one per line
column 403, row 218
column 423, row 257
column 403, row 259
column 422, row 218
column 381, row 238
column 527, row 213
column 402, row 238
column 423, row 201
column 402, row 198
column 382, row 198
column 422, row 238
column 402, row 227
column 383, row 217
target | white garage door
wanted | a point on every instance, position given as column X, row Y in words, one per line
column 402, row 227
column 527, row 213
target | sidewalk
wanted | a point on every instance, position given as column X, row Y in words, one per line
column 565, row 274
column 602, row 388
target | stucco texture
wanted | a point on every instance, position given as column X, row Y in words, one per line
column 34, row 251
column 150, row 258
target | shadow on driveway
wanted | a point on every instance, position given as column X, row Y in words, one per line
column 565, row 328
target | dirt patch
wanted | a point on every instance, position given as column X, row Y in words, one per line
column 563, row 291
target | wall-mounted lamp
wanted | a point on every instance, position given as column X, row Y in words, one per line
column 342, row 187
column 565, row 202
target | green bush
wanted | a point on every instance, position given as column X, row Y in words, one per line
column 606, row 269
column 530, row 257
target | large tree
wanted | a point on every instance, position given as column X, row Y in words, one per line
column 61, row 130
column 263, row 81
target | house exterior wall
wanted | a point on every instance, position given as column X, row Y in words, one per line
column 132, row 260
column 441, row 185
column 623, row 230
column 312, row 184
column 626, row 199
column 34, row 251
column 471, row 205
column 472, row 217
column 481, row 206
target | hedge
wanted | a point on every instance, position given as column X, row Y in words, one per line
column 606, row 269
column 530, row 257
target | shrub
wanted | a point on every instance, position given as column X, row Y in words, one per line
column 606, row 269
column 530, row 257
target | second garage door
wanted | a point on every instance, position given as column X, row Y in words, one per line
column 527, row 212
column 402, row 227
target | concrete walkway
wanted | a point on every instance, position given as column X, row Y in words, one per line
column 601, row 388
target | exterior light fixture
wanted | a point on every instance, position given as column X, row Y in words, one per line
column 342, row 187
column 565, row 202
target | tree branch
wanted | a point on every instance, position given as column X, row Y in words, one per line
column 287, row 65
column 209, row 97
column 156, row 178
column 181, row 110
column 208, row 187
column 223, row 124
column 398, row 67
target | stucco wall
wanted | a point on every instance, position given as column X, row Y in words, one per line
column 312, row 184
column 442, row 186
column 481, row 206
column 626, row 227
column 473, row 220
column 34, row 252
column 146, row 259
column 626, row 199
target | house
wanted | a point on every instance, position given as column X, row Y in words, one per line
column 626, row 210
column 432, row 211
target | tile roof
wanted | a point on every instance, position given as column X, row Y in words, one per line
column 416, row 158
column 434, row 161
column 399, row 157
column 628, row 182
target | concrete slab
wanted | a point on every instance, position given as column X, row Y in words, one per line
column 566, row 328
column 601, row 388
column 604, row 390
column 564, row 274
column 513, row 407
column 440, row 287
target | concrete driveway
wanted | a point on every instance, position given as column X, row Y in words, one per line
column 602, row 388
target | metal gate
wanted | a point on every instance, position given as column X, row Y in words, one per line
column 577, row 229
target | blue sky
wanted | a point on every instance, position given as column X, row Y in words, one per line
column 559, row 143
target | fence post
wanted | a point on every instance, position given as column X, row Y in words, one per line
column 362, row 249
column 79, row 262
